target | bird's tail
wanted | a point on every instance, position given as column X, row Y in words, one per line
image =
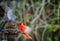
column 27, row 36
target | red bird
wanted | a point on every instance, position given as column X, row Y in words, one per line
column 25, row 30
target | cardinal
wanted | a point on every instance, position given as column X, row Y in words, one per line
column 25, row 30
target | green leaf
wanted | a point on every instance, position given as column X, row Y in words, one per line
column 56, row 38
column 37, row 3
column 49, row 39
column 30, row 25
column 27, row 4
column 21, row 38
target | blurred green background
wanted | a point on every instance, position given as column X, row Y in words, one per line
column 43, row 16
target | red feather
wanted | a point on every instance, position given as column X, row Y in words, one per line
column 23, row 28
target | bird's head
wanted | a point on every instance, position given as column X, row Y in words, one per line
column 20, row 23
